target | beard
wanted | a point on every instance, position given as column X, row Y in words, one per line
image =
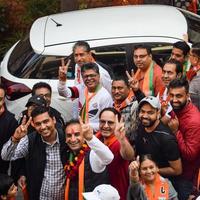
column 148, row 123
column 178, row 107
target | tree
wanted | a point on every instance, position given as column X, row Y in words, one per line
column 68, row 5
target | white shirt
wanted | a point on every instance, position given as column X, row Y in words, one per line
column 100, row 155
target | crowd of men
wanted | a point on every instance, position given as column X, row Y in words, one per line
column 154, row 110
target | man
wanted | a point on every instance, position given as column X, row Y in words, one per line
column 125, row 102
column 82, row 54
column 186, row 128
column 88, row 158
column 148, row 72
column 112, row 133
column 44, row 89
column 172, row 69
column 180, row 53
column 8, row 124
column 156, row 139
column 18, row 166
column 91, row 95
column 193, row 74
column 45, row 152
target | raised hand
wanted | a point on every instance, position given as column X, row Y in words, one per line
column 62, row 73
column 174, row 124
column 120, row 129
column 133, row 82
column 21, row 130
column 86, row 130
column 134, row 167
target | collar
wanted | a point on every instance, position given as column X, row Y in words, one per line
column 55, row 142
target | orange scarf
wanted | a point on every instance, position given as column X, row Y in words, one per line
column 75, row 167
column 107, row 141
column 161, row 189
column 80, row 182
column 85, row 109
column 147, row 86
column 127, row 101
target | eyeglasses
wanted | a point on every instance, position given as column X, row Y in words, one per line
column 140, row 56
column 103, row 122
column 48, row 95
column 89, row 76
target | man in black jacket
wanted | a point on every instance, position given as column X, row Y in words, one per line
column 45, row 152
column 8, row 124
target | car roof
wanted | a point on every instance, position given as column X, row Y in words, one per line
column 56, row 34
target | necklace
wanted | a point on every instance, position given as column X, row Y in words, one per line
column 72, row 166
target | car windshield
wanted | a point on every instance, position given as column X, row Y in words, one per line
column 25, row 63
column 20, row 57
column 193, row 22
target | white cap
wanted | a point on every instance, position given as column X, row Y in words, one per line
column 102, row 192
column 198, row 198
column 153, row 101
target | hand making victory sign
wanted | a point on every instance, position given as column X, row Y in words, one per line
column 21, row 130
column 133, row 82
column 63, row 69
column 86, row 130
column 120, row 128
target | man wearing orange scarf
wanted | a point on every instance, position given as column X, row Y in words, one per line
column 92, row 97
column 148, row 73
column 88, row 158
column 112, row 133
column 125, row 102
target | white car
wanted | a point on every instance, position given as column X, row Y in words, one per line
column 111, row 32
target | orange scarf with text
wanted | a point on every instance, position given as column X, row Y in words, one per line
column 161, row 189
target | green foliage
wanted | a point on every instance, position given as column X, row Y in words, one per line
column 3, row 21
column 39, row 8
column 33, row 10
column 9, row 41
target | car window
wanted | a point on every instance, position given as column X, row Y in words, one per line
column 193, row 22
column 115, row 58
